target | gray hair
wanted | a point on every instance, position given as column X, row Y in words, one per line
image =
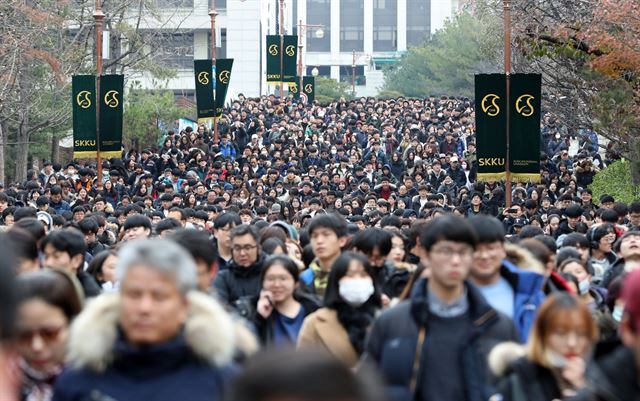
column 161, row 255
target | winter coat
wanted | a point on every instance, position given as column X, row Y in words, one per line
column 194, row 365
column 528, row 296
column 528, row 381
column 236, row 281
column 323, row 330
column 612, row 376
column 393, row 342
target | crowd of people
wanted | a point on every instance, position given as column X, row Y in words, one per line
column 342, row 251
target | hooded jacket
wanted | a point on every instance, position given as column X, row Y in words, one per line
column 103, row 365
column 393, row 342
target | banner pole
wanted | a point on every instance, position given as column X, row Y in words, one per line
column 212, row 14
column 299, row 56
column 282, row 52
column 507, row 69
column 98, row 16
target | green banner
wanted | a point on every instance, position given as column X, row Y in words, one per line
column 224, row 66
column 111, row 115
column 273, row 58
column 204, row 88
column 290, row 58
column 83, row 97
column 294, row 89
column 524, row 127
column 308, row 89
column 491, row 126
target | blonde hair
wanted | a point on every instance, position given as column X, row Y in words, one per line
column 553, row 308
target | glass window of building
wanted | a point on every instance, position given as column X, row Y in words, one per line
column 221, row 51
column 385, row 25
column 319, row 13
column 351, row 25
column 174, row 49
column 174, row 3
column 418, row 21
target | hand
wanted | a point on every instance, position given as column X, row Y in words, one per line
column 573, row 372
column 265, row 304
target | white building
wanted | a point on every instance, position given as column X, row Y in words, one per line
column 379, row 31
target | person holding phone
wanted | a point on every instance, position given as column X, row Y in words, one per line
column 555, row 358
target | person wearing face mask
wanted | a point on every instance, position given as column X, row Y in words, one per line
column 351, row 301
column 553, row 363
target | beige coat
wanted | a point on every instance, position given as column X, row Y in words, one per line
column 322, row 330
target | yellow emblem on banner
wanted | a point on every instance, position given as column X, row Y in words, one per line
column 492, row 109
column 111, row 99
column 273, row 50
column 203, row 78
column 293, row 88
column 82, row 99
column 290, row 50
column 224, row 76
column 527, row 109
column 308, row 88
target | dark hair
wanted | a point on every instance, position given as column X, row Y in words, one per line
column 566, row 252
column 167, row 224
column 227, row 218
column 339, row 269
column 487, row 228
column 547, row 241
column 270, row 244
column 366, row 241
column 448, row 228
column 30, row 225
column 95, row 266
column 391, row 220
column 54, row 287
column 68, row 240
column 88, row 225
column 21, row 242
column 574, row 240
column 24, row 213
column 307, row 375
column 282, row 260
column 333, row 222
column 137, row 220
column 198, row 244
column 243, row 229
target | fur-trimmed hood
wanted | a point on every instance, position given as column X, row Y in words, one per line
column 209, row 332
column 503, row 355
column 523, row 258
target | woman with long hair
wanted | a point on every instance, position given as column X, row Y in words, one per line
column 554, row 361
column 351, row 302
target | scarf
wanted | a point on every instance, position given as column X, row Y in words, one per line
column 36, row 385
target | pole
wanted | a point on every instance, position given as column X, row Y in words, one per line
column 98, row 16
column 299, row 56
column 507, row 70
column 282, row 52
column 212, row 14
column 353, row 74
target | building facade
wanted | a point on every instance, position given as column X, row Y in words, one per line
column 374, row 33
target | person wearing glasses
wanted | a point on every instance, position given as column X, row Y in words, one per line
column 48, row 300
column 242, row 277
column 434, row 345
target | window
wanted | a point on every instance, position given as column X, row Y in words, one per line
column 221, row 51
column 385, row 25
column 346, row 75
column 220, row 4
column 174, row 3
column 173, row 49
column 323, row 70
column 418, row 21
column 319, row 13
column 351, row 25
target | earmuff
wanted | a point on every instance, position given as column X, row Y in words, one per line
column 593, row 244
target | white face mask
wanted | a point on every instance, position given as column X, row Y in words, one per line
column 334, row 151
column 617, row 313
column 556, row 360
column 356, row 291
column 583, row 286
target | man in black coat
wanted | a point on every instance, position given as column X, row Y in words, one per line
column 435, row 345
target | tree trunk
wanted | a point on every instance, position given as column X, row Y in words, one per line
column 55, row 149
column 2, row 142
column 22, row 154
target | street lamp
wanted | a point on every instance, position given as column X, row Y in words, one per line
column 319, row 33
column 315, row 71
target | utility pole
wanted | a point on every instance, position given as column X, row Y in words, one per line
column 353, row 75
column 212, row 14
column 98, row 16
column 507, row 70
column 282, row 52
column 300, row 46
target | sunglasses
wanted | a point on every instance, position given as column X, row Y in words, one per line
column 47, row 334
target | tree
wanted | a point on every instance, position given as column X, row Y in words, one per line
column 148, row 113
column 328, row 89
column 589, row 54
column 447, row 61
column 615, row 180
